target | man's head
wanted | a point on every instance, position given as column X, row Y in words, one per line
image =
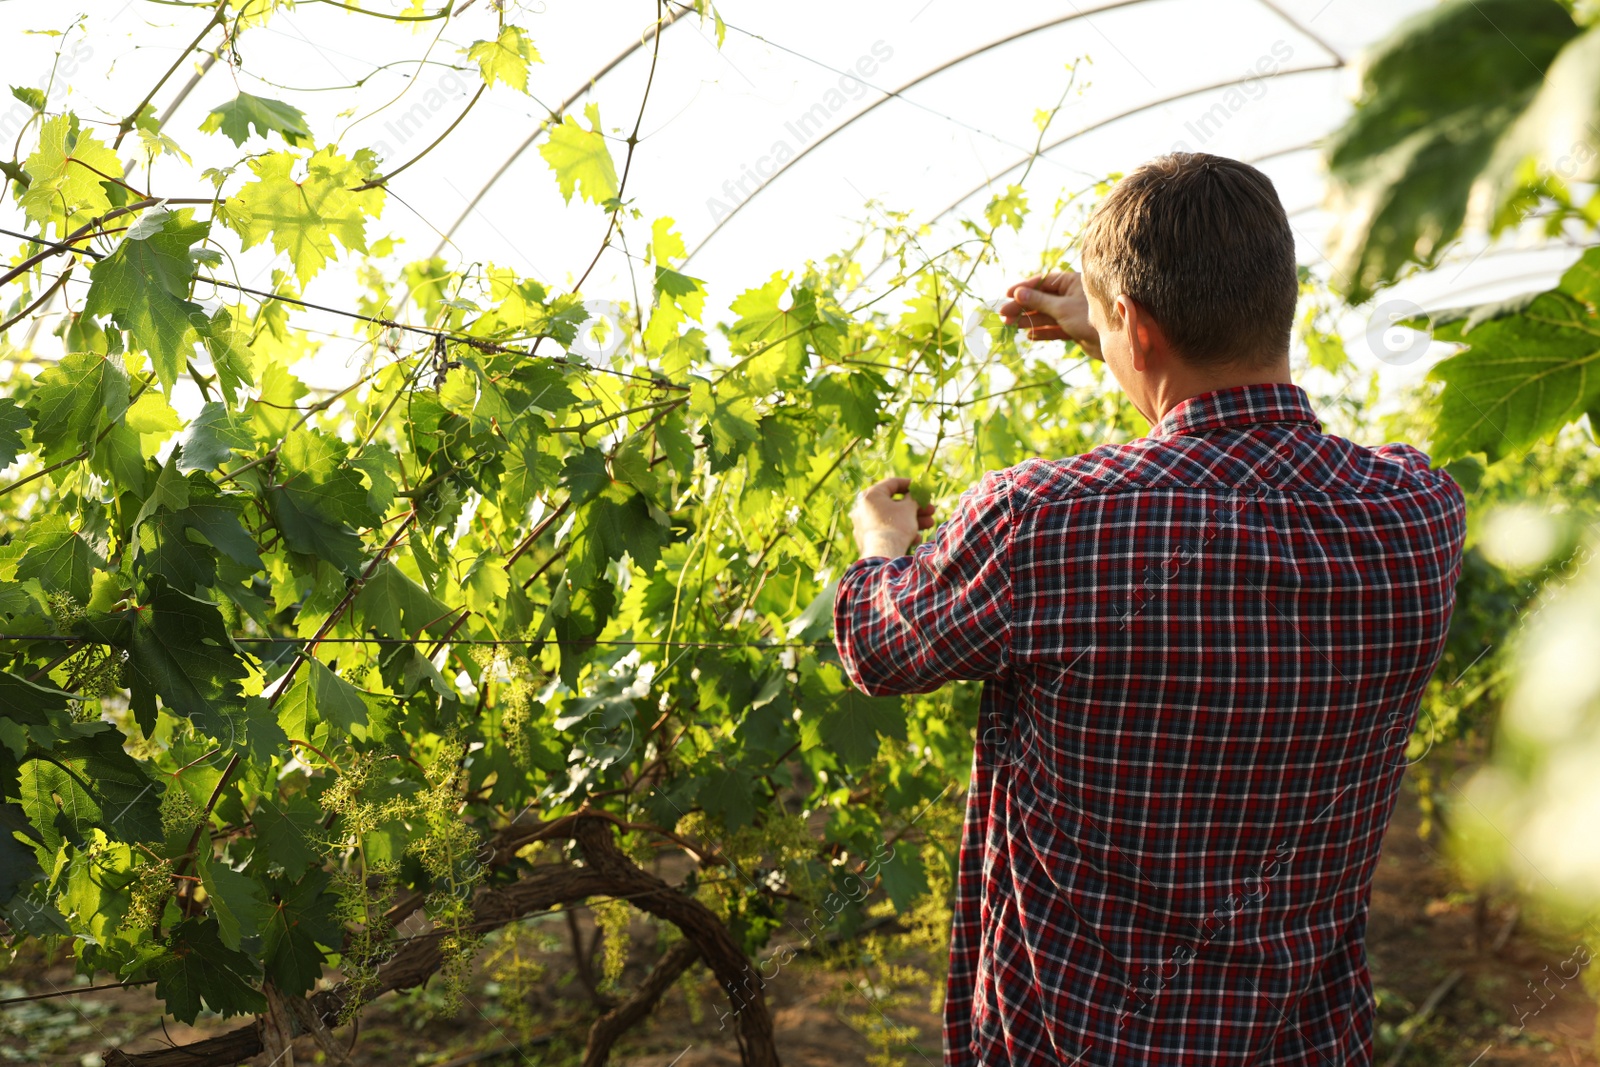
column 1190, row 271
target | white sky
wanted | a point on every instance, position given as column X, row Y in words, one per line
column 715, row 117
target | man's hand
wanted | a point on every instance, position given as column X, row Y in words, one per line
column 1053, row 307
column 887, row 519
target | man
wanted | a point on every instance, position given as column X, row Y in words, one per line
column 1203, row 650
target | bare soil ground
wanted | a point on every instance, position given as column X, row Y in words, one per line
column 1430, row 944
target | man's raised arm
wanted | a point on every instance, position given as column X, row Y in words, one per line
column 908, row 624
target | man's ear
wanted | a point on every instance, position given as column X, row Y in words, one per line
column 1147, row 341
column 1137, row 324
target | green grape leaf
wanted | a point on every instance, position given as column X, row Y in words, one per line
column 672, row 434
column 230, row 353
column 581, row 159
column 1436, row 96
column 309, row 527
column 150, row 415
column 302, row 916
column 178, row 529
column 904, row 878
column 606, row 528
column 238, row 902
column 60, row 559
column 683, row 292
column 783, row 450
column 96, row 890
column 506, row 58
column 197, row 967
column 271, row 416
column 728, row 414
column 1007, row 208
column 31, row 705
column 1529, row 369
column 324, row 696
column 19, row 866
column 382, row 468
column 97, row 785
column 212, row 438
column 257, row 734
column 766, row 726
column 179, row 649
column 487, row 585
column 845, row 720
column 296, row 712
column 119, row 458
column 528, row 472
column 1467, row 472
column 631, row 464
column 36, row 917
column 166, row 549
column 726, row 682
column 322, row 461
column 1556, row 136
column 72, row 399
column 771, row 339
column 852, row 727
column 24, row 600
column 34, row 98
column 170, row 492
column 395, row 606
column 543, row 385
column 65, row 175
column 13, row 424
column 671, row 801
column 814, row 623
column 319, row 500
column 219, row 519
column 585, row 476
column 235, row 118
column 144, row 286
column 303, row 218
column 725, row 794
column 666, row 244
column 287, row 832
column 577, row 614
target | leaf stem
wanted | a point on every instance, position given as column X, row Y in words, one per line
column 61, row 279
column 627, row 163
column 65, row 244
column 383, row 179
column 127, row 123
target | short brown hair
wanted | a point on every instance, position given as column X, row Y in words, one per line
column 1202, row 243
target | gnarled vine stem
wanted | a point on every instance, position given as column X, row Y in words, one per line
column 607, row 872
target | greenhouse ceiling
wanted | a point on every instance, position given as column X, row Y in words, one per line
column 802, row 128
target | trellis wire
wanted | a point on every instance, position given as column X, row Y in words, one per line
column 489, row 642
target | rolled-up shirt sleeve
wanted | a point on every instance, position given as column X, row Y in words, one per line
column 911, row 624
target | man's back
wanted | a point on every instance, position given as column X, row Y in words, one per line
column 1205, row 651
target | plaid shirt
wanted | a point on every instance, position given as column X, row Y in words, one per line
column 1204, row 653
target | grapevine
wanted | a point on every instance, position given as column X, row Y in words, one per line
column 322, row 692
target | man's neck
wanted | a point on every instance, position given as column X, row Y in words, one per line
column 1184, row 384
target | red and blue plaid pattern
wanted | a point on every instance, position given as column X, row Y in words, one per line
column 1204, row 653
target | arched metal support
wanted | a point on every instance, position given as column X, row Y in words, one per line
column 1122, row 115
column 1118, row 117
column 1278, row 153
column 1300, row 27
column 894, row 94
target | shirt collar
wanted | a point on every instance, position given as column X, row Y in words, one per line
column 1239, row 406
